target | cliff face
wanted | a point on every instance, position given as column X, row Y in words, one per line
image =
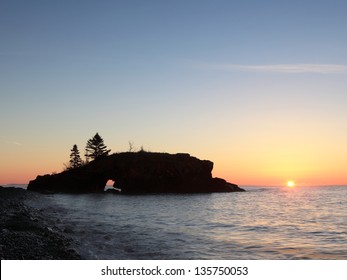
column 138, row 173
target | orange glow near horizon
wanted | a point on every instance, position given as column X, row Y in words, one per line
column 271, row 164
column 255, row 176
column 242, row 177
column 260, row 165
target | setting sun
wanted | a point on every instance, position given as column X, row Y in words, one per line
column 290, row 184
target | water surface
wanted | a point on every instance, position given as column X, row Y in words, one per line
column 262, row 223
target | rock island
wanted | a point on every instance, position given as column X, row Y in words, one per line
column 140, row 172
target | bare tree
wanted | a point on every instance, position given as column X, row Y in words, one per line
column 131, row 147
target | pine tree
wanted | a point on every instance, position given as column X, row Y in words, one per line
column 96, row 148
column 75, row 159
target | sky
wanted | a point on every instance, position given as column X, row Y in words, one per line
column 257, row 87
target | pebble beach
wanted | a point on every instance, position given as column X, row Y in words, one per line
column 26, row 233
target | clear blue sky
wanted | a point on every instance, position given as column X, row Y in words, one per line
column 248, row 84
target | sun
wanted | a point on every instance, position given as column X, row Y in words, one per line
column 290, row 184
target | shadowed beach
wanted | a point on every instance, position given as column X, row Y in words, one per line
column 26, row 233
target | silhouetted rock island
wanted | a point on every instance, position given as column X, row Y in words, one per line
column 141, row 172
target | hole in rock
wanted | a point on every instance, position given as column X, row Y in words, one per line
column 110, row 185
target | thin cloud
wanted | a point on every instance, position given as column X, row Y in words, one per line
column 13, row 143
column 284, row 68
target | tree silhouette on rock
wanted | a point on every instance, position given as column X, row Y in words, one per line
column 96, row 148
column 75, row 159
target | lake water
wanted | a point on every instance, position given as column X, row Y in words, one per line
column 262, row 223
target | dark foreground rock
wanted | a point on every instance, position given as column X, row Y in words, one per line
column 140, row 172
column 25, row 234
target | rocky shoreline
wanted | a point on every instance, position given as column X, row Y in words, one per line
column 26, row 234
